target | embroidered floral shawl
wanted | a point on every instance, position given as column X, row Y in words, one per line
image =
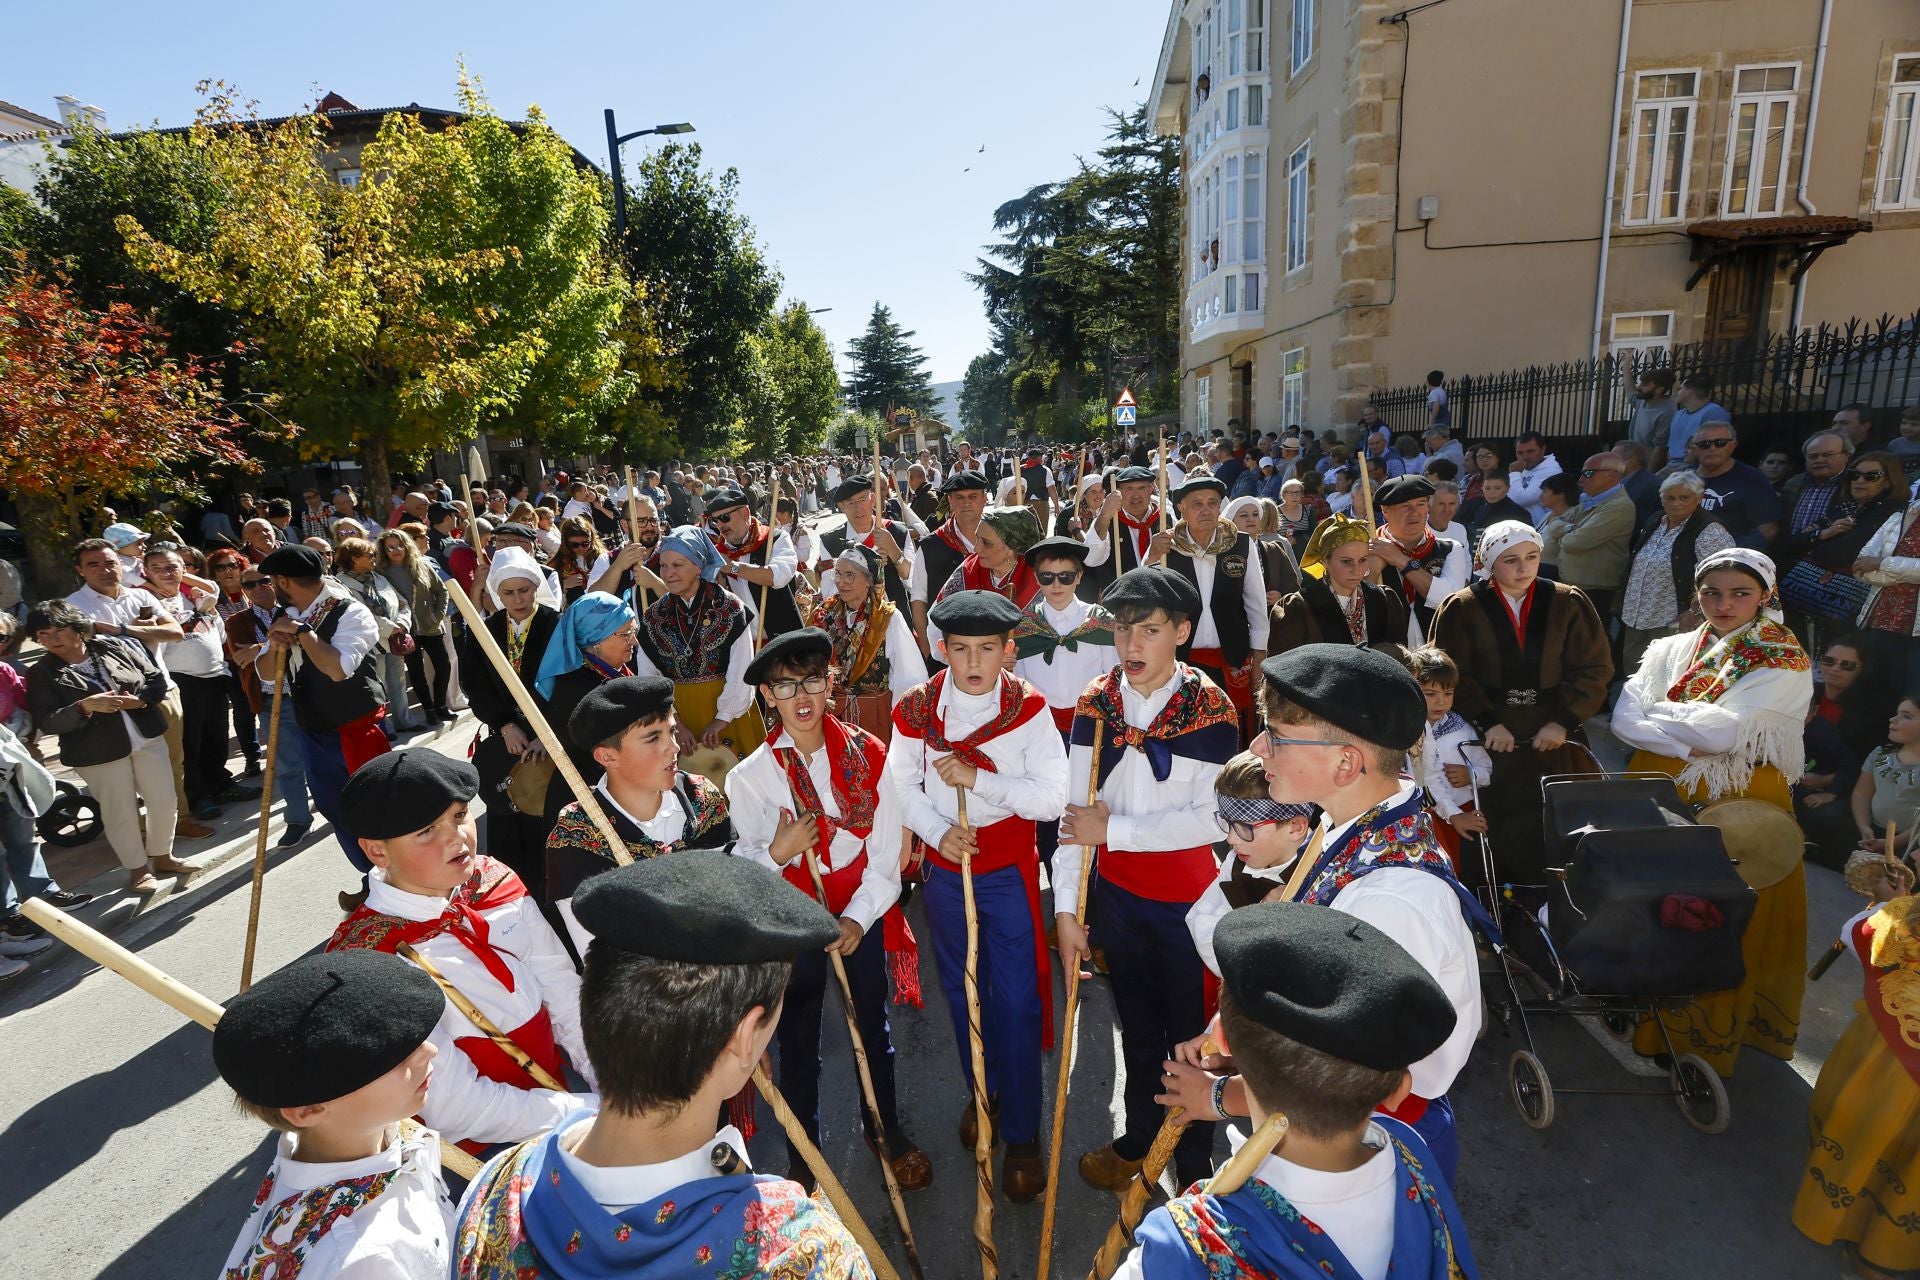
column 1762, row 644
column 691, row 641
column 1198, row 722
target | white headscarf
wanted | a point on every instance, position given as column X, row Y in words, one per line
column 1501, row 538
column 511, row 562
column 1238, row 505
column 1754, row 562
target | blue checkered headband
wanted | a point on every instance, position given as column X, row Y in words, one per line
column 1254, row 812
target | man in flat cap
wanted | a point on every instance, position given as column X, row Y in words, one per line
column 942, row 550
column 1229, row 635
column 1422, row 566
column 1126, row 524
column 751, row 563
column 679, row 1000
column 338, row 702
column 890, row 540
column 1321, row 1016
column 1339, row 723
column 470, row 923
column 819, row 791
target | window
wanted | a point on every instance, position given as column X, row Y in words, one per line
column 1256, row 105
column 1293, row 386
column 1663, row 110
column 1253, row 246
column 1639, row 340
column 347, row 177
column 1758, row 136
column 1202, row 410
column 1899, row 183
column 1230, row 239
column 1301, row 52
column 1236, row 37
column 1298, row 188
column 1256, row 39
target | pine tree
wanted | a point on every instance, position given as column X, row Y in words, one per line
column 888, row 370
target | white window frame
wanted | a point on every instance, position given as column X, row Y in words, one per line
column 1202, row 405
column 1622, row 397
column 348, row 176
column 1902, row 154
column 1762, row 102
column 1300, row 37
column 1293, row 386
column 1662, row 109
column 1299, row 199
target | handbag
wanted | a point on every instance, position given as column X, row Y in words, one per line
column 1824, row 593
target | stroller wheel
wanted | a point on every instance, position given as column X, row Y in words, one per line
column 1619, row 1025
column 72, row 820
column 1532, row 1093
column 1699, row 1093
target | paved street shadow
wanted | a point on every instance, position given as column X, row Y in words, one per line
column 185, row 1243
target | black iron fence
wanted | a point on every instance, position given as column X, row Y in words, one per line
column 1775, row 390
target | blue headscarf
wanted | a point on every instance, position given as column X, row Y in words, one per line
column 691, row 541
column 587, row 621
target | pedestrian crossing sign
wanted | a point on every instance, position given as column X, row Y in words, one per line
column 1125, row 408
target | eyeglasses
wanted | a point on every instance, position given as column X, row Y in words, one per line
column 576, row 546
column 1843, row 664
column 646, row 520
column 1064, row 577
column 1275, row 740
column 1719, row 442
column 1869, row 475
column 1241, row 831
column 251, row 583
column 784, row 689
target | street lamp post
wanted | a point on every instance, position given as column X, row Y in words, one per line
column 614, row 139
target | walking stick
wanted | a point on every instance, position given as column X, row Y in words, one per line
column 1166, row 513
column 633, row 525
column 983, row 1123
column 773, row 529
column 1067, row 1025
column 796, row 1132
column 866, row 1081
column 169, row 990
column 266, row 808
column 1134, row 1203
column 1366, row 508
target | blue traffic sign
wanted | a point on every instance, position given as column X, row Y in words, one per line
column 1123, row 415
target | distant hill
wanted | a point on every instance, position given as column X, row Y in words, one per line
column 948, row 402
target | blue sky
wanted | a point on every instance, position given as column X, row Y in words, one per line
column 853, row 123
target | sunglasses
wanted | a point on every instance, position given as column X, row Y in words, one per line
column 1869, row 475
column 1844, row 664
column 1591, row 472
column 1064, row 577
column 1721, row 442
column 251, row 583
column 576, row 546
column 784, row 689
column 1241, row 831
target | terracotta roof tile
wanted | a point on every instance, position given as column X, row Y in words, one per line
column 1797, row 227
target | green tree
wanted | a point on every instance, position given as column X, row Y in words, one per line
column 986, row 398
column 854, row 433
column 806, row 386
column 19, row 217
column 888, row 370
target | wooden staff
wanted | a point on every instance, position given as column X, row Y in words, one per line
column 1366, row 507
column 1234, row 1173
column 866, row 1081
column 773, row 528
column 1120, row 1235
column 796, row 1132
column 633, row 528
column 169, row 990
column 1066, row 1031
column 487, row 1027
column 1166, row 513
column 260, row 840
column 983, row 1123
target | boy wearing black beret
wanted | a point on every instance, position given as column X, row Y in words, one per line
column 682, row 991
column 335, row 1052
column 1339, row 723
column 655, row 806
column 1320, row 1015
column 1157, row 732
column 471, row 919
column 978, row 727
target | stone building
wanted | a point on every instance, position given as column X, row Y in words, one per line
column 1374, row 190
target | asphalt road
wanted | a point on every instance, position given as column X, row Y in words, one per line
column 121, row 1154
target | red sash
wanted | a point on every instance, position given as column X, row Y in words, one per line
column 493, row 1063
column 1063, row 717
column 1009, row 843
column 1236, row 683
column 1409, row 1111
column 361, row 740
column 491, row 884
column 1177, row 875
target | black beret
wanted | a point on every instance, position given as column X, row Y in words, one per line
column 324, row 1026
column 963, row 480
column 702, row 906
column 298, row 562
column 852, row 487
column 975, row 613
column 1402, row 489
column 1198, row 484
column 616, row 705
column 1332, row 982
column 1359, row 690
column 511, row 530
column 1135, row 475
column 1154, row 587
column 727, row 499
column 788, row 649
column 404, row 791
column 1057, row 549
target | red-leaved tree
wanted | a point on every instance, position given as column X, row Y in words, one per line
column 93, row 406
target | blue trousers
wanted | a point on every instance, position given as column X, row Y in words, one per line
column 25, row 870
column 326, row 774
column 799, row 1035
column 289, row 766
column 1009, row 989
column 1436, row 1130
column 1159, row 993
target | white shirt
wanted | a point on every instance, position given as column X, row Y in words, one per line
column 113, row 610
column 758, row 793
column 463, row 1104
column 620, row 1188
column 1445, row 748
column 1067, row 675
column 576, row 510
column 403, row 1233
column 201, row 653
column 1030, row 779
column 1524, row 486
column 737, row 696
column 1253, row 595
column 1146, row 815
column 668, row 824
column 353, row 640
column 1205, row 915
column 918, row 588
column 785, row 563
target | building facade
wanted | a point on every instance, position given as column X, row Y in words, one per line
column 1373, row 191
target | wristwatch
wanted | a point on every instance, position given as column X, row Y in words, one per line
column 304, row 628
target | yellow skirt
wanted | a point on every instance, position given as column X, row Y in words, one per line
column 697, row 701
column 1764, row 1010
column 1862, row 1184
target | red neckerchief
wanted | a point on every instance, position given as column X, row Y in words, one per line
column 918, row 714
column 950, row 534
column 1020, row 586
column 492, row 884
column 1143, row 529
column 1526, row 611
column 757, row 534
column 856, row 757
column 1422, row 548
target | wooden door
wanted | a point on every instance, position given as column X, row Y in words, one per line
column 1741, row 296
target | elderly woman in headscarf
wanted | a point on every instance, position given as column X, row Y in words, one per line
column 523, row 628
column 1721, row 709
column 1335, row 602
column 875, row 657
column 998, row 562
column 1259, row 519
column 593, row 642
column 1534, row 665
column 697, row 634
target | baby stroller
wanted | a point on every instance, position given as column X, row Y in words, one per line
column 1628, row 905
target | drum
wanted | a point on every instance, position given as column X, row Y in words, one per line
column 1762, row 839
column 711, row 763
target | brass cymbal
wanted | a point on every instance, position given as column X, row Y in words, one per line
column 1763, row 839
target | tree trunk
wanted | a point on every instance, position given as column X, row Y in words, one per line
column 50, row 529
column 376, row 479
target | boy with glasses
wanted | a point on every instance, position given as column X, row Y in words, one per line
column 819, row 789
column 1263, row 838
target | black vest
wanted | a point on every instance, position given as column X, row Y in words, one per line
column 1376, row 607
column 834, row 541
column 1229, row 610
column 322, row 704
column 1434, row 562
column 941, row 560
column 1241, row 889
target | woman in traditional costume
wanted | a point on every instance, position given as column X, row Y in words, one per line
column 998, row 562
column 697, row 635
column 593, row 642
column 1534, row 664
column 1721, row 709
column 1335, row 601
column 875, row 657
